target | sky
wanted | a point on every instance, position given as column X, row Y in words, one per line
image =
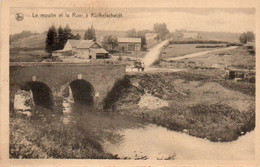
column 235, row 20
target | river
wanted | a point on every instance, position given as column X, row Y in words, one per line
column 133, row 138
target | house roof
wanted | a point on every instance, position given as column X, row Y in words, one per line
column 81, row 43
column 130, row 40
column 61, row 51
column 74, row 43
column 98, row 50
column 85, row 44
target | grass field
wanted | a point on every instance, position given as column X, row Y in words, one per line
column 176, row 50
column 27, row 55
column 238, row 57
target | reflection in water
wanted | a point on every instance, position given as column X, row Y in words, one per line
column 135, row 139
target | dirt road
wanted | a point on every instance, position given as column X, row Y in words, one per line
column 199, row 53
column 153, row 54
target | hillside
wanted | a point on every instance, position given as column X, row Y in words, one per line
column 33, row 41
column 38, row 41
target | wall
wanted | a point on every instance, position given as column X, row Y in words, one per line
column 67, row 46
column 83, row 52
column 130, row 46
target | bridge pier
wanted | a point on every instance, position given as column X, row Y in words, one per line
column 58, row 104
column 12, row 90
column 11, row 101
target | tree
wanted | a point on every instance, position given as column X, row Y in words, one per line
column 250, row 36
column 67, row 33
column 242, row 38
column 51, row 39
column 57, row 40
column 161, row 29
column 87, row 34
column 141, row 34
column 90, row 34
column 132, row 33
column 93, row 33
column 61, row 38
column 110, row 42
column 247, row 37
column 77, row 37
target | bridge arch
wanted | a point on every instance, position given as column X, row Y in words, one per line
column 116, row 92
column 41, row 93
column 82, row 91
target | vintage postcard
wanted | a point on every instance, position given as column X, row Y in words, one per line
column 98, row 84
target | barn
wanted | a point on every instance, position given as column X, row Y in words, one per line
column 129, row 44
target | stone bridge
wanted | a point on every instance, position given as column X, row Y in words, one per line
column 48, row 81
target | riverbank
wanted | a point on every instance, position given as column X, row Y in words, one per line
column 202, row 105
column 46, row 136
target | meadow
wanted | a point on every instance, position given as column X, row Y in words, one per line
column 176, row 50
column 236, row 58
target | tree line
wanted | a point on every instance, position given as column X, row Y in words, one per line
column 161, row 30
column 56, row 39
column 248, row 36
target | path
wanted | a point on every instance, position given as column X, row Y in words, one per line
column 199, row 53
column 153, row 54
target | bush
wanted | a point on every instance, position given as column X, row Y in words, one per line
column 196, row 42
column 210, row 46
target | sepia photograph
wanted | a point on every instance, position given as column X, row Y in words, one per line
column 132, row 83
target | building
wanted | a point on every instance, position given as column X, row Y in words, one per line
column 150, row 36
column 87, row 49
column 129, row 44
column 184, row 34
column 191, row 35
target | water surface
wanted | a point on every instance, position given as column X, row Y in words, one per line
column 133, row 138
